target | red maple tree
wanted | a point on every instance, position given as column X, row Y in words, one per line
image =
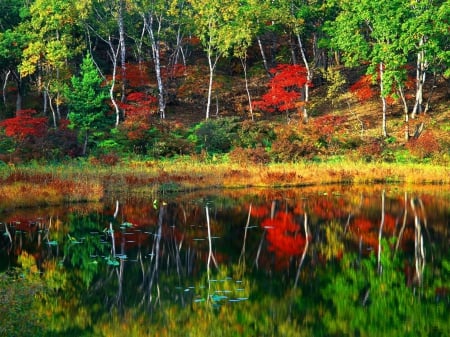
column 25, row 125
column 284, row 89
column 137, row 110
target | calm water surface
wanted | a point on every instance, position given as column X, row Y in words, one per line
column 328, row 261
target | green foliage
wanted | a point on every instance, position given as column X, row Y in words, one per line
column 80, row 248
column 86, row 101
column 335, row 83
column 18, row 316
column 214, row 135
column 401, row 156
column 361, row 298
column 7, row 144
column 252, row 134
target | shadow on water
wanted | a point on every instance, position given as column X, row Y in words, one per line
column 329, row 261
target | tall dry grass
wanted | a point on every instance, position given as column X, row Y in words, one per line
column 52, row 184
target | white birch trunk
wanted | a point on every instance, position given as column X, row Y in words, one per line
column 421, row 67
column 5, row 82
column 263, row 55
column 383, row 100
column 211, row 76
column 122, row 49
column 309, row 77
column 405, row 110
column 249, row 97
column 157, row 63
column 114, row 54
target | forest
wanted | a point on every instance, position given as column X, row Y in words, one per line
column 248, row 81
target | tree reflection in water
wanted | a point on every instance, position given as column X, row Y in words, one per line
column 286, row 263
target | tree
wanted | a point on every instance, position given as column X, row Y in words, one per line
column 249, row 14
column 365, row 34
column 12, row 43
column 284, row 89
column 427, row 34
column 215, row 24
column 154, row 14
column 86, row 102
column 53, row 40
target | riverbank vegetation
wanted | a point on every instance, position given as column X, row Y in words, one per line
column 25, row 185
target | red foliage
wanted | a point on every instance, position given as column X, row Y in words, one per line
column 284, row 88
column 363, row 88
column 24, row 125
column 328, row 209
column 137, row 110
column 424, row 146
column 259, row 211
column 139, row 104
column 137, row 74
column 192, row 40
column 363, row 225
column 327, row 125
column 284, row 235
column 175, row 71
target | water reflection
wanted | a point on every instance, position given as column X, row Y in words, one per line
column 340, row 261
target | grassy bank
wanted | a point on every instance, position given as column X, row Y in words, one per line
column 79, row 181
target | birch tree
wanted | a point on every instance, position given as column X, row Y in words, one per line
column 427, row 34
column 154, row 14
column 371, row 31
column 215, row 24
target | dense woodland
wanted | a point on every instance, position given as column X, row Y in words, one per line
column 259, row 80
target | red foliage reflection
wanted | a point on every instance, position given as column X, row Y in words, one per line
column 284, row 235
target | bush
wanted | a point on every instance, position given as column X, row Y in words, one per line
column 424, row 146
column 290, row 146
column 252, row 134
column 170, row 145
column 214, row 135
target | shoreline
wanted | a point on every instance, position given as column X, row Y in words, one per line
column 34, row 184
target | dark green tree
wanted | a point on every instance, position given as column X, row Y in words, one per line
column 86, row 101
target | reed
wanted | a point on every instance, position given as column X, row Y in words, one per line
column 74, row 182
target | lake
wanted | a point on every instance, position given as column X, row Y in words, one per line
column 315, row 261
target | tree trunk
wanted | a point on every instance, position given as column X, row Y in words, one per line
column 85, row 143
column 211, row 76
column 380, row 232
column 157, row 62
column 244, row 67
column 383, row 100
column 5, row 82
column 46, row 92
column 114, row 54
column 309, row 77
column 405, row 110
column 122, row 50
column 421, row 67
column 263, row 55
column 19, row 95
